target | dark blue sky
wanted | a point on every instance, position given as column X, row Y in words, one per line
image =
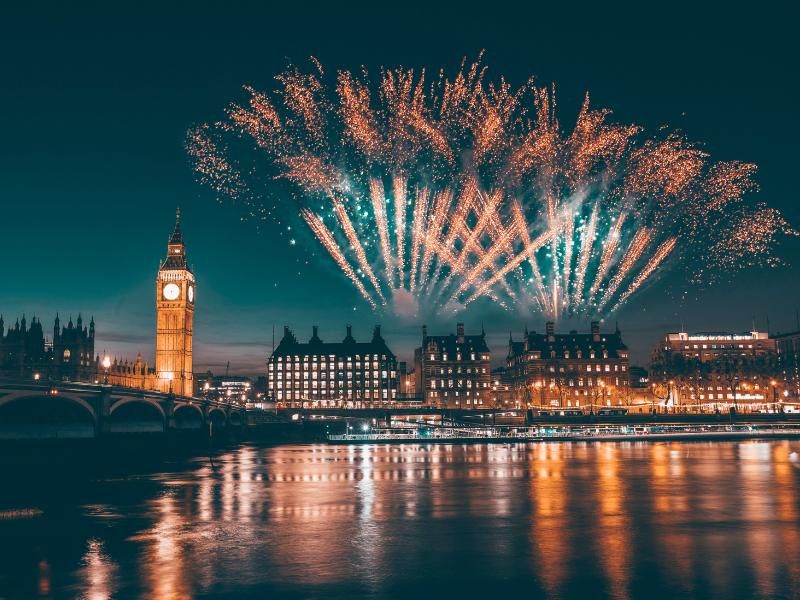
column 95, row 103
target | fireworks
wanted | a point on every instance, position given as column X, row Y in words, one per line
column 452, row 190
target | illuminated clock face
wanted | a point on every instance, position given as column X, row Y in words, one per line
column 171, row 291
column 191, row 293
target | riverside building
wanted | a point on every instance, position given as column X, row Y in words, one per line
column 346, row 374
column 454, row 370
column 717, row 371
column 568, row 369
column 788, row 349
column 175, row 301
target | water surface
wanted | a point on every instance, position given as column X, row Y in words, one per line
column 563, row 520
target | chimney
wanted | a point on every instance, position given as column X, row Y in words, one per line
column 315, row 330
column 285, row 331
column 349, row 332
column 460, row 332
column 550, row 328
column 595, row 331
column 424, row 333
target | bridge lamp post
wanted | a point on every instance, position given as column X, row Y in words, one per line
column 106, row 365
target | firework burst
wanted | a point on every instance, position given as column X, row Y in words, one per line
column 452, row 190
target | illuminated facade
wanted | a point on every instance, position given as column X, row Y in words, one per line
column 332, row 374
column 709, row 347
column 454, row 370
column 568, row 370
column 717, row 370
column 788, row 348
column 236, row 389
column 175, row 296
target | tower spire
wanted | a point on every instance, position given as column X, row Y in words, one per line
column 177, row 235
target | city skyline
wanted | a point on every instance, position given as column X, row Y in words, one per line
column 399, row 300
column 102, row 163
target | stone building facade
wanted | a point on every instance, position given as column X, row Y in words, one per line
column 332, row 374
column 175, row 300
column 26, row 352
column 454, row 370
column 578, row 370
column 717, row 371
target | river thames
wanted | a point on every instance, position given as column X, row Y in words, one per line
column 561, row 520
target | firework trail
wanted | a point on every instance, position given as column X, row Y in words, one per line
column 449, row 190
column 584, row 254
column 418, row 232
column 325, row 238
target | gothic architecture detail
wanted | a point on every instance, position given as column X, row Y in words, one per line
column 26, row 352
column 175, row 296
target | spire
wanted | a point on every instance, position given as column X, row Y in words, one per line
column 177, row 236
column 176, row 249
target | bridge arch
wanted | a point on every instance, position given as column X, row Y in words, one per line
column 136, row 415
column 122, row 401
column 235, row 418
column 218, row 418
column 188, row 416
column 46, row 416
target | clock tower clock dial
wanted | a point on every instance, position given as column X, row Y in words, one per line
column 171, row 291
column 175, row 291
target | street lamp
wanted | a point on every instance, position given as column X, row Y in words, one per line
column 106, row 365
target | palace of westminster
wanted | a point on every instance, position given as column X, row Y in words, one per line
column 454, row 370
column 70, row 355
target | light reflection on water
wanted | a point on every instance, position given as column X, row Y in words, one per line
column 610, row 520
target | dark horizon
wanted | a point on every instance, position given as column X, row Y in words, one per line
column 99, row 100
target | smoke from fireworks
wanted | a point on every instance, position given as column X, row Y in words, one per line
column 444, row 191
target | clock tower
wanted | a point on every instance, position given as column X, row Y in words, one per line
column 175, row 296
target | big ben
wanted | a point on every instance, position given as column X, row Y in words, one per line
column 175, row 296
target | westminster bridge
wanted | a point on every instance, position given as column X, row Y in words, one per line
column 69, row 410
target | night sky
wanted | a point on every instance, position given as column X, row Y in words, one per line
column 95, row 104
